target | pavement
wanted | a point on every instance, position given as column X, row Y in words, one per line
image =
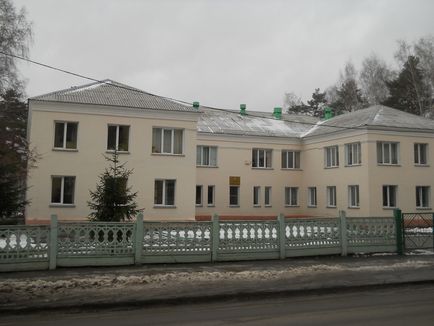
column 78, row 289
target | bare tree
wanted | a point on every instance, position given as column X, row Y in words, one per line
column 373, row 77
column 15, row 37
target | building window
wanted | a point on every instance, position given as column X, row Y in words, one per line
column 353, row 154
column 65, row 135
column 206, row 156
column 256, row 196
column 234, row 195
column 311, row 197
column 164, row 193
column 291, row 196
column 387, row 152
column 62, row 190
column 211, row 194
column 117, row 138
column 422, row 197
column 167, row 140
column 331, row 196
column 420, row 154
column 261, row 158
column 267, row 196
column 290, row 160
column 199, row 195
column 389, row 196
column 353, row 197
column 331, row 156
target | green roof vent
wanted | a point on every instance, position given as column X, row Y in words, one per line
column 243, row 109
column 196, row 105
column 328, row 113
column 277, row 113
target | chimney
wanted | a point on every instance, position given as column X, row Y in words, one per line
column 277, row 113
column 328, row 113
column 243, row 109
column 196, row 105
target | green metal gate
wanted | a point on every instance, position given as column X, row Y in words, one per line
column 418, row 231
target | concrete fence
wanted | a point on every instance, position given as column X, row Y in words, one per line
column 65, row 244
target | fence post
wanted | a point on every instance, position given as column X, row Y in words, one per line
column 215, row 237
column 138, row 241
column 344, row 238
column 282, row 236
column 397, row 213
column 52, row 249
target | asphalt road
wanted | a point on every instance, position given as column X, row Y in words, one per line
column 405, row 305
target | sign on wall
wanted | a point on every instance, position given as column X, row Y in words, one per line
column 234, row 181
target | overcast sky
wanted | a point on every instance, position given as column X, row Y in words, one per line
column 221, row 53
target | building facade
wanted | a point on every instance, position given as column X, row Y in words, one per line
column 191, row 161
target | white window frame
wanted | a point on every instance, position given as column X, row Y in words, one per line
column 163, row 204
column 388, row 194
column 200, row 204
column 331, row 196
column 200, row 157
column 65, row 130
column 172, row 141
column 267, row 163
column 238, row 196
column 291, row 164
column 418, row 148
column 290, row 193
column 312, row 197
column 213, row 196
column 257, row 193
column 384, row 157
column 419, row 195
column 353, row 196
column 331, row 156
column 117, row 138
column 268, row 196
column 353, row 154
column 62, row 190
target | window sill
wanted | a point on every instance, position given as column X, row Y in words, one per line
column 257, row 168
column 422, row 165
column 234, row 206
column 62, row 205
column 164, row 206
column 197, row 205
column 207, row 166
column 211, row 205
column 312, row 206
column 331, row 207
column 268, row 206
column 167, row 154
column 110, row 151
column 389, row 208
column 55, row 149
column 331, row 167
column 292, row 205
column 423, row 208
column 386, row 164
column 290, row 169
column 352, row 165
column 353, row 207
column 257, row 206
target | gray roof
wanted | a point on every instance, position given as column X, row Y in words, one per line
column 111, row 93
column 218, row 121
column 377, row 116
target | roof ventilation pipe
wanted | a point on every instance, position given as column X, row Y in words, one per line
column 196, row 105
column 328, row 113
column 243, row 109
column 277, row 113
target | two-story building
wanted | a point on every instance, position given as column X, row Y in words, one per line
column 193, row 161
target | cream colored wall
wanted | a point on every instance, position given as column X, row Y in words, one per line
column 234, row 156
column 405, row 175
column 88, row 162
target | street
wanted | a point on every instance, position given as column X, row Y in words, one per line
column 404, row 305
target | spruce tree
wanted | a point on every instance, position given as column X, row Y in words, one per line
column 113, row 200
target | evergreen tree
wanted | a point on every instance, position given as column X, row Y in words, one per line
column 15, row 155
column 317, row 103
column 409, row 92
column 113, row 201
